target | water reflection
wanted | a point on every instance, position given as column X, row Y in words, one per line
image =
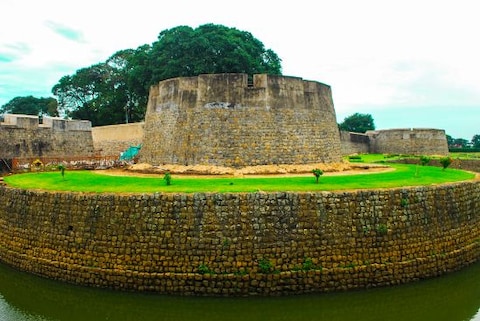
column 454, row 297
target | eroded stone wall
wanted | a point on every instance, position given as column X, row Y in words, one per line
column 354, row 143
column 408, row 141
column 221, row 120
column 22, row 136
column 243, row 243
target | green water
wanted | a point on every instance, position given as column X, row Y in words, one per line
column 454, row 297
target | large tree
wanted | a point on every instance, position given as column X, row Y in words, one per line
column 476, row 141
column 30, row 105
column 357, row 123
column 210, row 48
column 105, row 93
column 116, row 91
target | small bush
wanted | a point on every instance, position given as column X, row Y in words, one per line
column 445, row 161
column 355, row 159
column 317, row 172
column 424, row 160
column 168, row 178
column 62, row 168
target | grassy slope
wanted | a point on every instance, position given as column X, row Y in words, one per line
column 403, row 175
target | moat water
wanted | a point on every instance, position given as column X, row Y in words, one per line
column 453, row 297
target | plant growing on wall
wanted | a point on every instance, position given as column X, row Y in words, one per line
column 317, row 173
column 204, row 269
column 265, row 265
column 382, row 229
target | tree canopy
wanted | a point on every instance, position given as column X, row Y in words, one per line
column 357, row 123
column 116, row 91
column 30, row 105
column 184, row 51
column 476, row 141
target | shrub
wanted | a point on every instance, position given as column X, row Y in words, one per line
column 168, row 178
column 317, row 172
column 355, row 158
column 445, row 161
column 61, row 167
column 424, row 160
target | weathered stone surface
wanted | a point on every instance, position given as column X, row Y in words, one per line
column 220, row 120
column 23, row 136
column 242, row 243
column 407, row 141
column 114, row 139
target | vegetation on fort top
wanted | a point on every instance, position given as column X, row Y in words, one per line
column 96, row 182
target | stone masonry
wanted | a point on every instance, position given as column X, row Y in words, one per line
column 222, row 120
column 242, row 243
column 407, row 141
column 112, row 140
column 22, row 136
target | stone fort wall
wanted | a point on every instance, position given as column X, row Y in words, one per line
column 114, row 139
column 21, row 136
column 354, row 143
column 407, row 141
column 242, row 243
column 220, row 120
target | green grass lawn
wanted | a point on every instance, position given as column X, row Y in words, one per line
column 88, row 181
column 461, row 155
column 375, row 158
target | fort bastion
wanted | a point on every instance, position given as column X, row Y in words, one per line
column 222, row 119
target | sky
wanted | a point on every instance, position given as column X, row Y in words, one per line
column 408, row 63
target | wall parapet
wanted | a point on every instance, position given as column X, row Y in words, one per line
column 24, row 136
column 55, row 123
column 242, row 243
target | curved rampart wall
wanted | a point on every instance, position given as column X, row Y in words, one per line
column 245, row 243
column 221, row 120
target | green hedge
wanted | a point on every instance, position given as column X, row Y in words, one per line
column 464, row 150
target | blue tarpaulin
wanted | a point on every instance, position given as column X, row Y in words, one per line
column 130, row 153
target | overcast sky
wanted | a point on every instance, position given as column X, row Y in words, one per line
column 408, row 63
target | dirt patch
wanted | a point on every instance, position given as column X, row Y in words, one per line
column 148, row 170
